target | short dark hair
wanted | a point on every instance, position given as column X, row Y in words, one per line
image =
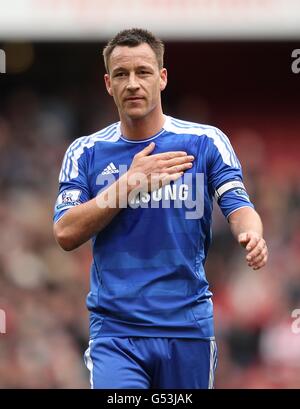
column 131, row 38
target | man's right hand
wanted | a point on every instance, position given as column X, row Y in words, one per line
column 149, row 172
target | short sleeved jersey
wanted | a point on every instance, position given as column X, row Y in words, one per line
column 147, row 274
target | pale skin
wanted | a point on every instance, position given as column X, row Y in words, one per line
column 247, row 228
column 135, row 81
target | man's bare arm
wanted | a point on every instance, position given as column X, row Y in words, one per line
column 247, row 228
column 82, row 222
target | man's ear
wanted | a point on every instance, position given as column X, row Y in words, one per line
column 108, row 84
column 163, row 78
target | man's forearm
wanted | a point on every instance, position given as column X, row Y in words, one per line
column 82, row 222
column 247, row 228
column 244, row 220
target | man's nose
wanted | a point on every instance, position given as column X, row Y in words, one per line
column 132, row 82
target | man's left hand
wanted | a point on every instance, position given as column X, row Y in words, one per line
column 257, row 251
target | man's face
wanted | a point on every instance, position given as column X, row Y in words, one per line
column 135, row 80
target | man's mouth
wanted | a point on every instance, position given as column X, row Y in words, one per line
column 133, row 98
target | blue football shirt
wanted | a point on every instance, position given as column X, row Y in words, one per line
column 147, row 274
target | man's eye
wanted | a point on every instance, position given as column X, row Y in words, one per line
column 144, row 72
column 120, row 74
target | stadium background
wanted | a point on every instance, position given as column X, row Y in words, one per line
column 52, row 93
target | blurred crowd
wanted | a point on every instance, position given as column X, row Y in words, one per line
column 43, row 289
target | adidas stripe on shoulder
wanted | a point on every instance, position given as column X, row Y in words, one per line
column 69, row 169
column 220, row 140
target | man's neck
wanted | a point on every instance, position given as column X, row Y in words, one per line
column 142, row 128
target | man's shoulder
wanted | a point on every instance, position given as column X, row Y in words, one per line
column 81, row 150
column 181, row 126
column 108, row 134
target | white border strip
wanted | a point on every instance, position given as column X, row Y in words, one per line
column 212, row 363
column 89, row 363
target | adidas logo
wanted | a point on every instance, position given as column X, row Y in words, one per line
column 110, row 169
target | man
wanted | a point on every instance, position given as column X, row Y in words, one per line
column 130, row 187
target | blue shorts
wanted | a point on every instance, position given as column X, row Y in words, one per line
column 144, row 363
